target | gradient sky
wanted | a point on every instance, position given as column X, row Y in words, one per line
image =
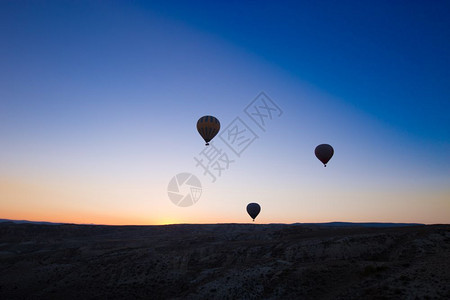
column 99, row 102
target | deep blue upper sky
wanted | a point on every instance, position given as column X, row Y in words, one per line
column 389, row 58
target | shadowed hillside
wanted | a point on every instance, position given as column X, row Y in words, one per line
column 223, row 261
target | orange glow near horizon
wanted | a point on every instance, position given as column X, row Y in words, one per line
column 65, row 204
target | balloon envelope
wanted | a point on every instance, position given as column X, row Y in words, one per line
column 324, row 153
column 253, row 210
column 208, row 127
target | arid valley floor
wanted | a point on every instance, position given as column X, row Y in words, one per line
column 223, row 261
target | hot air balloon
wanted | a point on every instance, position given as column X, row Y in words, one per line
column 208, row 127
column 253, row 210
column 324, row 153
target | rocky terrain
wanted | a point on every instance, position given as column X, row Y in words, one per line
column 223, row 261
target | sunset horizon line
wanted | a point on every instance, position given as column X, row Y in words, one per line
column 41, row 222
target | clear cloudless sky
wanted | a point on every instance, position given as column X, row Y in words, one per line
column 99, row 102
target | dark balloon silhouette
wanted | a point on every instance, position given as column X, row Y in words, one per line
column 324, row 153
column 253, row 210
column 208, row 127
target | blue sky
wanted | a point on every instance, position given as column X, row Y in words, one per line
column 99, row 101
column 390, row 59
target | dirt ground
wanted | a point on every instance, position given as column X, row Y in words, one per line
column 223, row 261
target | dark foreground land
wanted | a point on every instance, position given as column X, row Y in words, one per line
column 224, row 261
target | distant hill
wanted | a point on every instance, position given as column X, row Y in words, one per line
column 371, row 224
column 28, row 222
column 329, row 224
